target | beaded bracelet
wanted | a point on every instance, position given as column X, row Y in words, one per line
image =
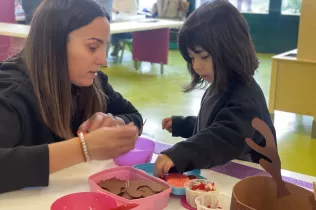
column 84, row 147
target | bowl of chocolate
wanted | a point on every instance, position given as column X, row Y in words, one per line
column 128, row 185
column 142, row 153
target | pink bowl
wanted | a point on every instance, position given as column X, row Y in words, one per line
column 84, row 201
column 142, row 153
column 155, row 202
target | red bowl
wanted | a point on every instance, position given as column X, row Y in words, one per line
column 84, row 201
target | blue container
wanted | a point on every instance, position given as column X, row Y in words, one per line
column 149, row 169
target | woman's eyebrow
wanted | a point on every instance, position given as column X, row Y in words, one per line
column 96, row 39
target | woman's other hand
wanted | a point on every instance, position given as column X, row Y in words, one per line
column 167, row 124
column 99, row 120
column 111, row 142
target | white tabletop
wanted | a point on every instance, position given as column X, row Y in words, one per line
column 75, row 179
column 133, row 26
column 123, row 17
column 19, row 30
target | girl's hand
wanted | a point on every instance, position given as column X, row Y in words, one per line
column 99, row 120
column 111, row 142
column 167, row 124
column 162, row 165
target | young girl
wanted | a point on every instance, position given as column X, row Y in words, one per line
column 216, row 44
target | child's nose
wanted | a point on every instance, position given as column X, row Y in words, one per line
column 197, row 66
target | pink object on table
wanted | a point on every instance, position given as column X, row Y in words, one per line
column 126, row 206
column 84, row 201
column 143, row 153
column 7, row 15
column 185, row 204
column 151, row 46
column 155, row 202
column 7, row 11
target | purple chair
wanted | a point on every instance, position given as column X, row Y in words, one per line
column 7, row 15
column 8, row 45
column 151, row 46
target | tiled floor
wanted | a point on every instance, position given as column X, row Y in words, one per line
column 158, row 96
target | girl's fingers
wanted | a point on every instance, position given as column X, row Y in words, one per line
column 158, row 170
column 169, row 125
column 165, row 121
column 167, row 167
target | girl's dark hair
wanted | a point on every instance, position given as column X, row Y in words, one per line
column 221, row 30
column 45, row 59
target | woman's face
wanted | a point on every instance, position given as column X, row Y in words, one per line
column 86, row 51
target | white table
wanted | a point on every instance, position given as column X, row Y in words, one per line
column 75, row 179
column 20, row 30
column 150, row 39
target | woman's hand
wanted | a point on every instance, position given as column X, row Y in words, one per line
column 99, row 120
column 162, row 165
column 111, row 142
column 167, row 124
column 102, row 144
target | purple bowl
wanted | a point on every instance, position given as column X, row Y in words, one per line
column 142, row 153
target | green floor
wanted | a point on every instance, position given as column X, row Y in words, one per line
column 158, row 96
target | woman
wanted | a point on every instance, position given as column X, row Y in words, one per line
column 53, row 89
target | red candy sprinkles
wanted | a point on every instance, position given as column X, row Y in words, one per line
column 203, row 187
column 177, row 179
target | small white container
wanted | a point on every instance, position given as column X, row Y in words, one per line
column 212, row 202
column 192, row 194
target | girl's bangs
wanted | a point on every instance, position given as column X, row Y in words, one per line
column 191, row 38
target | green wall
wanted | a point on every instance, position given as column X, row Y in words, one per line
column 273, row 32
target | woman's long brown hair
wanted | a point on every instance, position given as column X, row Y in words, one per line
column 45, row 58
